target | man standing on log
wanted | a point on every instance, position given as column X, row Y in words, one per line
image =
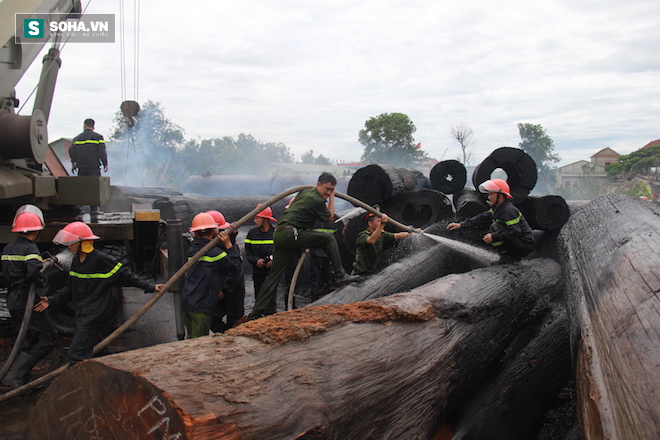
column 370, row 243
column 509, row 232
column 294, row 232
column 88, row 154
column 92, row 276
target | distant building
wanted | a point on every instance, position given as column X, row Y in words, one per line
column 605, row 157
column 572, row 173
column 654, row 143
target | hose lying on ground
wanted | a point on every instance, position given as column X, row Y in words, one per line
column 181, row 272
column 32, row 293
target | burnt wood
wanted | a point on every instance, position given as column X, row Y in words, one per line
column 386, row 368
column 419, row 209
column 611, row 249
column 546, row 212
column 519, row 166
column 469, row 203
column 376, row 183
column 448, row 176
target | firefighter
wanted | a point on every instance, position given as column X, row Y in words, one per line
column 294, row 232
column 259, row 247
column 88, row 154
column 21, row 266
column 509, row 232
column 233, row 304
column 92, row 276
column 372, row 241
column 208, row 279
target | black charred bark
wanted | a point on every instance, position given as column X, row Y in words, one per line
column 376, row 183
column 420, row 208
column 546, row 213
column 469, row 203
column 520, row 169
column 448, row 176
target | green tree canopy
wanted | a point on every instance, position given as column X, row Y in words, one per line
column 637, row 162
column 388, row 139
column 540, row 147
column 308, row 158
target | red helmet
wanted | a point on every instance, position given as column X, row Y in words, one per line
column 203, row 221
column 219, row 219
column 27, row 222
column 266, row 213
column 496, row 186
column 73, row 233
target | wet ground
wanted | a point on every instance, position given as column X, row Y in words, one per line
column 157, row 326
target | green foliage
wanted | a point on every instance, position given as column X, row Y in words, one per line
column 638, row 162
column 388, row 139
column 540, row 147
column 640, row 189
column 308, row 158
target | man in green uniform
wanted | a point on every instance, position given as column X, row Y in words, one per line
column 370, row 243
column 295, row 231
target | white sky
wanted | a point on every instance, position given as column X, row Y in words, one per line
column 309, row 73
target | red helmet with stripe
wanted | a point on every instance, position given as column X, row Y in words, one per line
column 496, row 186
column 27, row 222
column 267, row 213
column 219, row 219
column 73, row 233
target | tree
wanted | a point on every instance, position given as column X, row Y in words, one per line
column 388, row 139
column 308, row 158
column 642, row 161
column 463, row 134
column 540, row 147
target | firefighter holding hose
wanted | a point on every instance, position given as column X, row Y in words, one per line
column 509, row 232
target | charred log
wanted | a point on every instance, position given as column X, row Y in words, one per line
column 376, row 183
column 519, row 166
column 469, row 203
column 419, row 209
column 448, row 176
column 546, row 213
column 511, row 405
column 376, row 369
column 123, row 197
column 611, row 253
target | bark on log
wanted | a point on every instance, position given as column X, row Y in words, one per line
column 233, row 208
column 469, row 203
column 611, row 253
column 546, row 212
column 448, row 176
column 520, row 169
column 381, row 369
column 511, row 405
column 417, row 261
column 420, row 208
column 376, row 183
column 123, row 197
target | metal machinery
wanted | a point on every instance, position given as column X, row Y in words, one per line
column 30, row 172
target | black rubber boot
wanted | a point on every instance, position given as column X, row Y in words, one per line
column 20, row 372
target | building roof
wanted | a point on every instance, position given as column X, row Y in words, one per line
column 606, row 152
column 654, row 143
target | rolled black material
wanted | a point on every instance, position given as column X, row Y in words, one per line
column 448, row 176
column 419, row 209
column 376, row 183
column 519, row 166
column 469, row 203
column 546, row 212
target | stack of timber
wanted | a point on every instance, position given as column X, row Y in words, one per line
column 546, row 213
column 419, row 208
column 611, row 254
column 395, row 367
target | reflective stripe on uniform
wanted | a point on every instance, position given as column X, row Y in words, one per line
column 510, row 222
column 22, row 257
column 329, row 231
column 208, row 259
column 96, row 275
column 90, row 141
column 259, row 242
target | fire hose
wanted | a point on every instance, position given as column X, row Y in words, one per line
column 181, row 272
column 22, row 332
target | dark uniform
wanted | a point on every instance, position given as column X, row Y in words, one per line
column 512, row 236
column 367, row 255
column 320, row 271
column 294, row 232
column 258, row 245
column 205, row 279
column 90, row 288
column 88, row 153
column 21, row 266
column 232, row 305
